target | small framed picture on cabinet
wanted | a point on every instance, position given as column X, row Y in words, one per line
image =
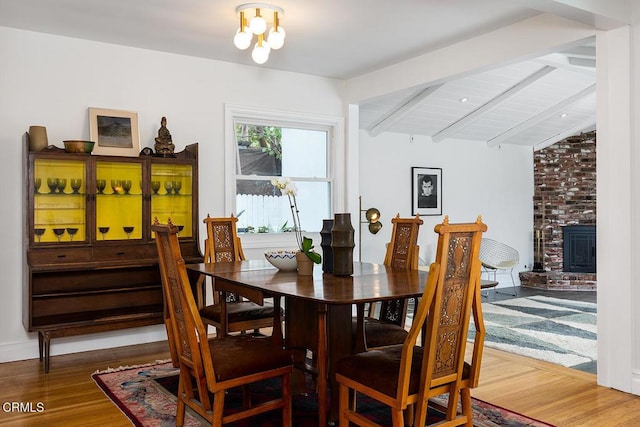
column 115, row 132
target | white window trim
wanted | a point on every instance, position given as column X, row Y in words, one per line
column 336, row 158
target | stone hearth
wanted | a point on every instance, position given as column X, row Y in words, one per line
column 559, row 281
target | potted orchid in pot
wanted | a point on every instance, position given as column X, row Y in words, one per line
column 306, row 256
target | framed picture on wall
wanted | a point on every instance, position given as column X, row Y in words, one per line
column 115, row 132
column 426, row 191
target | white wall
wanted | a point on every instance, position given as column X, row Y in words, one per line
column 52, row 81
column 496, row 183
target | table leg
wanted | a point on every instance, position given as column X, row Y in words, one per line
column 322, row 365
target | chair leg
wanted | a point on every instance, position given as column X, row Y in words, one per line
column 343, row 404
column 467, row 410
column 287, row 411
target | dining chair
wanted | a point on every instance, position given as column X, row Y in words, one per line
column 407, row 375
column 384, row 321
column 210, row 367
column 238, row 315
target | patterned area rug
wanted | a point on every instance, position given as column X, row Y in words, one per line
column 145, row 395
column 556, row 330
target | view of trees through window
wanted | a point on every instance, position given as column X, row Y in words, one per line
column 268, row 152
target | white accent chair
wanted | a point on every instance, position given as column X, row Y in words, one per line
column 496, row 256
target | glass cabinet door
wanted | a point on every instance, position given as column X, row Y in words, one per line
column 59, row 201
column 118, row 200
column 171, row 196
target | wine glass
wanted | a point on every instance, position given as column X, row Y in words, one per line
column 126, row 186
column 168, row 185
column 177, row 185
column 58, row 232
column 103, row 231
column 116, row 186
column 39, row 232
column 101, row 184
column 37, row 183
column 76, row 183
column 72, row 232
column 62, row 184
column 155, row 186
column 52, row 183
column 128, row 230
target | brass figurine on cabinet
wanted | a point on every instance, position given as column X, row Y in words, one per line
column 164, row 146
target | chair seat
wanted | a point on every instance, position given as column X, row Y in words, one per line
column 385, row 363
column 235, row 356
column 239, row 312
column 379, row 333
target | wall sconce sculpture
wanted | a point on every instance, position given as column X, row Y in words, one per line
column 372, row 217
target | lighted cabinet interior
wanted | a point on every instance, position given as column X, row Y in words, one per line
column 90, row 256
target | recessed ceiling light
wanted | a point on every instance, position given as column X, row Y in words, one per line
column 563, row 115
column 465, row 99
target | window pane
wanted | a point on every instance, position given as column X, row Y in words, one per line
column 262, row 209
column 281, row 151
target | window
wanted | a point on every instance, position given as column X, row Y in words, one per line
column 270, row 145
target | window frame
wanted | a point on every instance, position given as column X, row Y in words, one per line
column 333, row 125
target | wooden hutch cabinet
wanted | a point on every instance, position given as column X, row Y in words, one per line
column 91, row 263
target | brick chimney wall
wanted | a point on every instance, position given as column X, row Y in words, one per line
column 564, row 191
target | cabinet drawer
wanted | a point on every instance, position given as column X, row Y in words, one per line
column 125, row 252
column 59, row 255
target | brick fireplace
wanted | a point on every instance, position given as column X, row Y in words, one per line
column 564, row 196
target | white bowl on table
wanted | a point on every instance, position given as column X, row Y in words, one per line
column 284, row 260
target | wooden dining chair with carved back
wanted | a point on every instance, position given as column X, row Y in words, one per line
column 384, row 321
column 223, row 245
column 209, row 367
column 408, row 375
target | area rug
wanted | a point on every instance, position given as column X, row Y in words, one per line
column 145, row 395
column 556, row 330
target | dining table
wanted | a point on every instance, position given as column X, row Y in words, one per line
column 318, row 308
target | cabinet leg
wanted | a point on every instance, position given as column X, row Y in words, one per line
column 40, row 344
column 47, row 351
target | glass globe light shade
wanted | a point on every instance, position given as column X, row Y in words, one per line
column 276, row 38
column 258, row 25
column 242, row 39
column 260, row 54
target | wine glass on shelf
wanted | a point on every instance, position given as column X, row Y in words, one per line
column 126, row 186
column 103, row 231
column 58, row 232
column 116, row 186
column 155, row 186
column 177, row 185
column 76, row 183
column 72, row 232
column 52, row 183
column 128, row 230
column 168, row 185
column 37, row 183
column 101, row 184
column 39, row 232
column 62, row 184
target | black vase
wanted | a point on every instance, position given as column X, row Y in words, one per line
column 342, row 244
column 325, row 244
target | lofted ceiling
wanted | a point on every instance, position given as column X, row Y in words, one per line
column 532, row 103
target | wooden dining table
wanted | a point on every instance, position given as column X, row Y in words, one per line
column 318, row 308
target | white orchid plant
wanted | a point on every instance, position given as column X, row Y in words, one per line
column 305, row 244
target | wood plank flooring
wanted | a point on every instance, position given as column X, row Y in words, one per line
column 551, row 393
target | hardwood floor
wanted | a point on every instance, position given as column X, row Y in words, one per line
column 548, row 392
column 551, row 393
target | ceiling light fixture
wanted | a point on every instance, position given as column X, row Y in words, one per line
column 563, row 115
column 258, row 25
column 463, row 100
